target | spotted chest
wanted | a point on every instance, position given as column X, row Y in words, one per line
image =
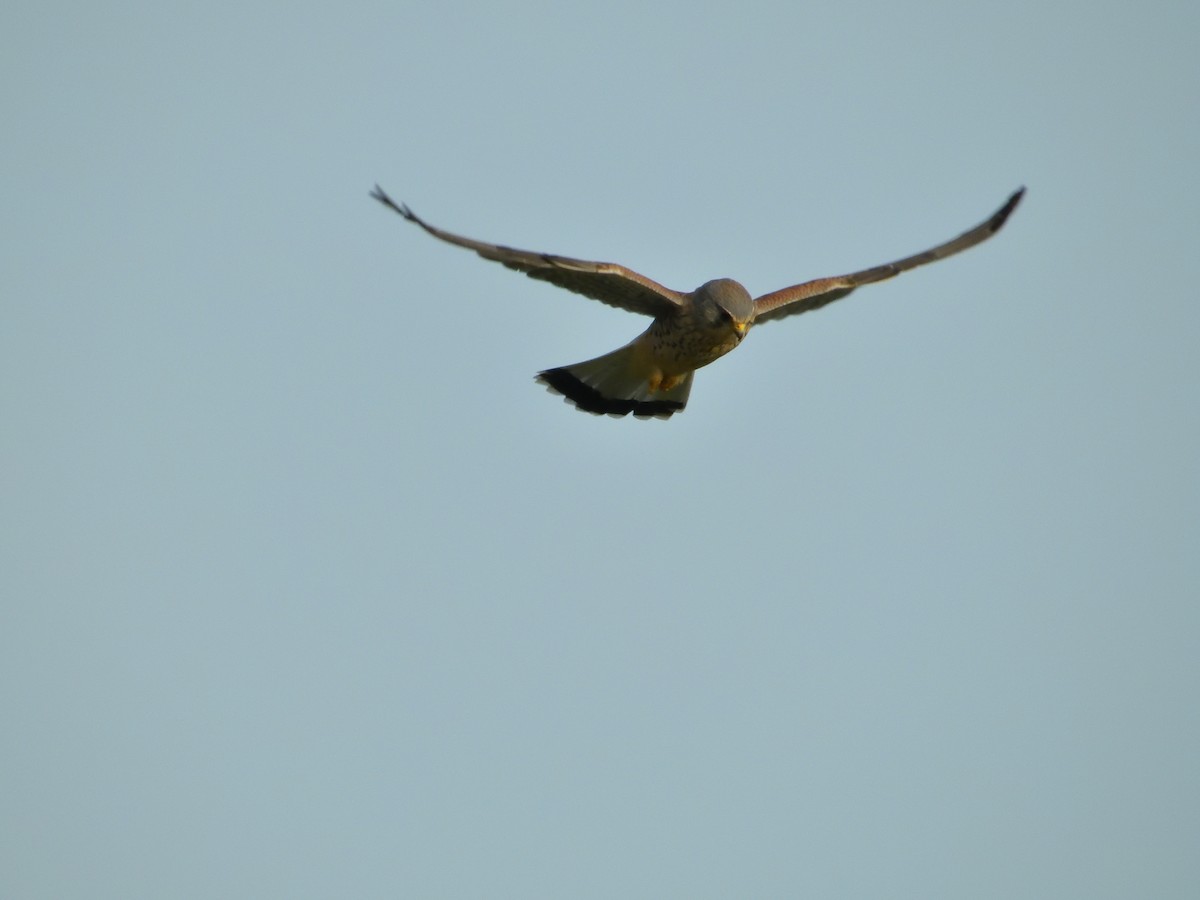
column 681, row 344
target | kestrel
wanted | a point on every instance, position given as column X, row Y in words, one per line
column 651, row 376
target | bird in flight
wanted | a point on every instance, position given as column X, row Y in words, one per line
column 651, row 376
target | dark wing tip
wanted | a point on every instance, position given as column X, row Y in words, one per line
column 379, row 194
column 1001, row 215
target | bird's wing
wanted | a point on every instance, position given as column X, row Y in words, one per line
column 815, row 294
column 607, row 282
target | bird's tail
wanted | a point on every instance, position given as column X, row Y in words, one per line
column 617, row 384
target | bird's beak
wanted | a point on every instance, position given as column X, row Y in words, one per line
column 740, row 328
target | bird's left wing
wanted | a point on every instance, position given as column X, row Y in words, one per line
column 607, row 282
column 815, row 294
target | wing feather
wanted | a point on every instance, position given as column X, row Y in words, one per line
column 812, row 295
column 607, row 282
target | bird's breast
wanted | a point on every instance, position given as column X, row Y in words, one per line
column 681, row 344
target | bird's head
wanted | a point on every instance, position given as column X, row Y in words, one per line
column 724, row 302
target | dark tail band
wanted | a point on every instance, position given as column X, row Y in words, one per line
column 588, row 399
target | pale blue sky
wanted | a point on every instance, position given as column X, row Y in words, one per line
column 310, row 591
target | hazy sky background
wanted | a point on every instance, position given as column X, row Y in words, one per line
column 310, row 591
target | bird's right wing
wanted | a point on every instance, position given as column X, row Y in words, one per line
column 607, row 282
